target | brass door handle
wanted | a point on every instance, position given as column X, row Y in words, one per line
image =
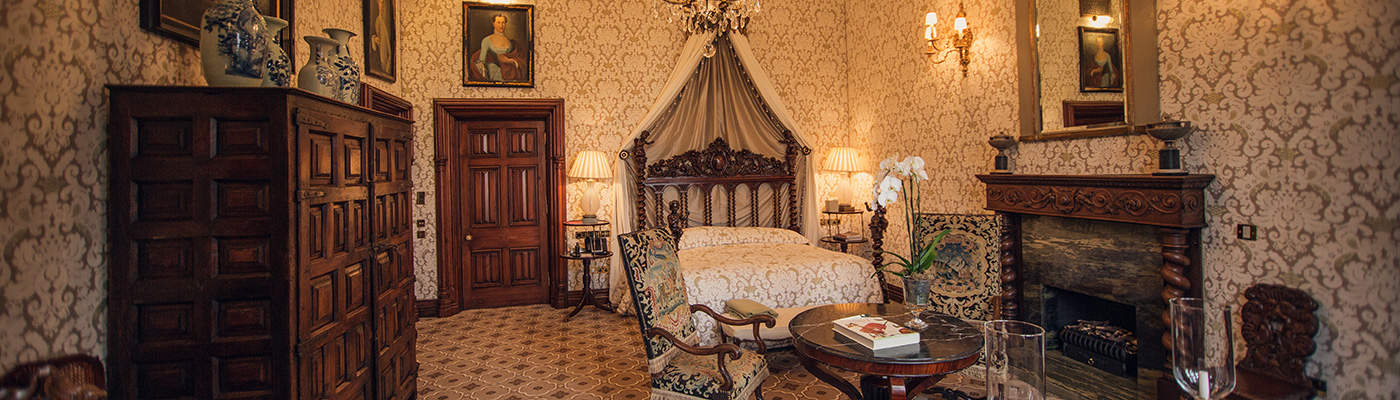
column 467, row 238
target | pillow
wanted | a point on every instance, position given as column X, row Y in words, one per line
column 703, row 236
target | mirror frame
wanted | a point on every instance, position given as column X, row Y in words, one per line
column 1141, row 101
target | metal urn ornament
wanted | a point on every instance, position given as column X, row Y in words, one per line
column 1001, row 143
column 318, row 75
column 1169, row 158
column 279, row 66
column 233, row 44
column 345, row 67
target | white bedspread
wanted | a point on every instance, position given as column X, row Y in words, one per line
column 775, row 274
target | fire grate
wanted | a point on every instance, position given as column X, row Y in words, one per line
column 1109, row 348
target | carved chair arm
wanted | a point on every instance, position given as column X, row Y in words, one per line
column 764, row 319
column 720, row 350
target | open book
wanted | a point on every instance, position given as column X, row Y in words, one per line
column 875, row 332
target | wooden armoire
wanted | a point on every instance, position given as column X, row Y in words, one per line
column 260, row 246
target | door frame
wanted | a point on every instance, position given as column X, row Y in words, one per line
column 447, row 115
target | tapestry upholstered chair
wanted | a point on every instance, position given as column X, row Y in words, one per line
column 679, row 369
column 970, row 276
column 70, row 377
column 1278, row 330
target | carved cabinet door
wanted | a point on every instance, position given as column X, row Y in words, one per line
column 393, row 263
column 503, row 213
column 334, row 350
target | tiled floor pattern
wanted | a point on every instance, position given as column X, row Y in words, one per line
column 528, row 352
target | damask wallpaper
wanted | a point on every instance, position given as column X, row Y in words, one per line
column 1297, row 102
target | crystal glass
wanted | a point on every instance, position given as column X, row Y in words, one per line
column 1203, row 349
column 916, row 292
column 1014, row 353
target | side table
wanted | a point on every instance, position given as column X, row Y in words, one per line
column 843, row 243
column 587, row 297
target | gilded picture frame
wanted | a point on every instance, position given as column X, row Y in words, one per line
column 180, row 19
column 381, row 39
column 498, row 45
column 1100, row 60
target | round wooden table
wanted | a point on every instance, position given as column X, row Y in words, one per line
column 948, row 344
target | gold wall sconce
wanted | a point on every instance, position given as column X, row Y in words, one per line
column 960, row 42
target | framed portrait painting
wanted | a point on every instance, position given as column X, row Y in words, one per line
column 381, row 39
column 180, row 19
column 1100, row 60
column 498, row 44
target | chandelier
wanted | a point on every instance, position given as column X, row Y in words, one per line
column 701, row 16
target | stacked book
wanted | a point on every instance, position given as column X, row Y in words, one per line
column 875, row 332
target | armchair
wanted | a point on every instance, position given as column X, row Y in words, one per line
column 680, row 369
column 70, row 377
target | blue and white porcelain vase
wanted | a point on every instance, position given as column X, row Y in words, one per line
column 318, row 75
column 279, row 67
column 233, row 44
column 345, row 66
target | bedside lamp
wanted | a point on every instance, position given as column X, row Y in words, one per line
column 843, row 159
column 590, row 165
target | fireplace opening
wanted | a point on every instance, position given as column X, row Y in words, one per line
column 1091, row 330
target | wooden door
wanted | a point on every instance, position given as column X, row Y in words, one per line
column 334, row 348
column 504, row 253
column 393, row 263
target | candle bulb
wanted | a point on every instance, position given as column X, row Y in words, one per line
column 1203, row 384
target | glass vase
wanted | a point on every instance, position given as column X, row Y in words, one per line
column 1014, row 353
column 916, row 298
column 1203, row 348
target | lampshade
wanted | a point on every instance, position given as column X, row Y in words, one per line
column 931, row 19
column 960, row 22
column 1090, row 8
column 590, row 164
column 842, row 159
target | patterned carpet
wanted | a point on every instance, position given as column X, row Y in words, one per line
column 528, row 352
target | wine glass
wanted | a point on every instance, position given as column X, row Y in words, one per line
column 1203, row 348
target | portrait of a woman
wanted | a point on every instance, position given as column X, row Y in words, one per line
column 1100, row 60
column 498, row 45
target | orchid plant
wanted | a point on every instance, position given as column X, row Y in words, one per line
column 904, row 176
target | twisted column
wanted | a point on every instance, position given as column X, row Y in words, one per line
column 1175, row 263
column 878, row 224
column 1010, row 274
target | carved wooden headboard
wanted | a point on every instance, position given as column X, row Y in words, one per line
column 717, row 165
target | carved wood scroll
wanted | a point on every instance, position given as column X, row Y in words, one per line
column 718, row 165
column 1278, row 329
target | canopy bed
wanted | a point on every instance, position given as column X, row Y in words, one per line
column 718, row 152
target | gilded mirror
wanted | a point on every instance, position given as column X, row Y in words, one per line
column 1087, row 68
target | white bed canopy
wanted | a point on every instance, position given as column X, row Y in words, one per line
column 724, row 96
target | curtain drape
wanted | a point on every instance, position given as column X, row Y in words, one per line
column 724, row 96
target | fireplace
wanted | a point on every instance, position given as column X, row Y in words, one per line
column 1112, row 247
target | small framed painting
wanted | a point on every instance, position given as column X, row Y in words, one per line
column 381, row 39
column 1100, row 60
column 498, row 44
column 180, row 19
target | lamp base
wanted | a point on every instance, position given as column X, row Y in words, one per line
column 590, row 219
column 1002, row 164
column 1169, row 162
column 846, row 208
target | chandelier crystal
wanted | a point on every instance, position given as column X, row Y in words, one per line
column 701, row 16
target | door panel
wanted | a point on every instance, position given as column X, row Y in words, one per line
column 395, row 314
column 503, row 203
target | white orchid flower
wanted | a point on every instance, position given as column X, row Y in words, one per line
column 887, row 163
column 888, row 190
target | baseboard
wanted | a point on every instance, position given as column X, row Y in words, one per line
column 427, row 308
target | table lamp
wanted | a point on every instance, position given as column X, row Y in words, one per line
column 843, row 159
column 590, row 165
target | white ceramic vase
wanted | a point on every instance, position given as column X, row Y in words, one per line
column 318, row 75
column 345, row 67
column 233, row 44
column 279, row 67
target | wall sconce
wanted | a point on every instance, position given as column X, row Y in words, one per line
column 961, row 40
column 1098, row 11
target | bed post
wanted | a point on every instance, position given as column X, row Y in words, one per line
column 790, row 161
column 878, row 224
column 639, row 163
column 676, row 222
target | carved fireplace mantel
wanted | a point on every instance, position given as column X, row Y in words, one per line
column 1173, row 204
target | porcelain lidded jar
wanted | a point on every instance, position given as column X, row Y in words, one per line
column 345, row 66
column 233, row 44
column 279, row 66
column 318, row 75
